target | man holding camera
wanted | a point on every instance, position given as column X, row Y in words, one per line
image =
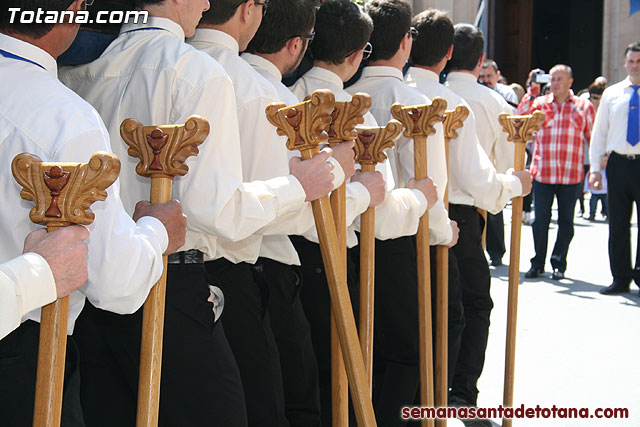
column 557, row 165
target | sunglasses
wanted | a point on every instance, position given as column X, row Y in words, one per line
column 366, row 51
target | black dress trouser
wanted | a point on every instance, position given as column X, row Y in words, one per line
column 200, row 384
column 18, row 363
column 396, row 355
column 475, row 280
column 623, row 176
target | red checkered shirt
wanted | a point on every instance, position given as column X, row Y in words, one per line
column 558, row 156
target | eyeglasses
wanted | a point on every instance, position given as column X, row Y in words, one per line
column 88, row 3
column 263, row 3
column 366, row 51
column 303, row 37
column 413, row 32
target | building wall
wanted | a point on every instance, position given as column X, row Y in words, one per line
column 619, row 30
column 459, row 11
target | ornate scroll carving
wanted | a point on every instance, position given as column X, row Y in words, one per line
column 346, row 116
column 303, row 124
column 520, row 129
column 454, row 120
column 372, row 141
column 163, row 150
column 64, row 192
column 419, row 120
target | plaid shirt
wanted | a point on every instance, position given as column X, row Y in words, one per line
column 558, row 155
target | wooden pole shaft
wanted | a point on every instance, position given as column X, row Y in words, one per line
column 367, row 278
column 514, row 280
column 442, row 315
column 153, row 328
column 424, row 287
column 52, row 351
column 339, row 383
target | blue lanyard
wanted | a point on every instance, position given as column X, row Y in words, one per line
column 19, row 58
column 143, row 29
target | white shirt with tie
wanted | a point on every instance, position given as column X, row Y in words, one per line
column 610, row 126
column 39, row 115
column 473, row 180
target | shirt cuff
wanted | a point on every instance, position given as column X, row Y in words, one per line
column 514, row 184
column 34, row 278
column 422, row 200
column 288, row 192
column 337, row 171
column 153, row 227
column 360, row 195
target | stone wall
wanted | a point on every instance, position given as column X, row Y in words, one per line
column 459, row 11
column 619, row 30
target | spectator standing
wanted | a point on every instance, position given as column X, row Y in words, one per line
column 557, row 165
column 616, row 132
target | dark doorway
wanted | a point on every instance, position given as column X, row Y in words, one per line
column 525, row 34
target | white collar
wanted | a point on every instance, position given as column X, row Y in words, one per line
column 462, row 76
column 382, row 71
column 155, row 22
column 325, row 75
column 29, row 52
column 263, row 64
column 424, row 73
column 208, row 35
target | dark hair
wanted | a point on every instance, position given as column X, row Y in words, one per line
column 633, row 47
column 596, row 88
column 284, row 19
column 139, row 4
column 435, row 35
column 391, row 21
column 468, row 43
column 341, row 29
column 34, row 29
column 220, row 11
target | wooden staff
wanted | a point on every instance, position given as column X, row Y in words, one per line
column 520, row 130
column 304, row 124
column 370, row 146
column 419, row 123
column 453, row 120
column 344, row 118
column 63, row 194
column 162, row 151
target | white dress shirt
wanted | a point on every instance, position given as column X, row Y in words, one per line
column 398, row 215
column 26, row 284
column 610, row 126
column 150, row 73
column 38, row 115
column 357, row 196
column 386, row 87
column 473, row 179
column 507, row 93
column 487, row 105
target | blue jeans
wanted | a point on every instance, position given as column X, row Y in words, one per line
column 543, row 195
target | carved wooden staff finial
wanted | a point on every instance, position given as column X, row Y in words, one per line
column 162, row 151
column 520, row 130
column 63, row 194
column 419, row 122
column 305, row 126
column 370, row 145
column 344, row 118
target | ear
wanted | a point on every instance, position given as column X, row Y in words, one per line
column 481, row 60
column 245, row 10
column 293, row 45
column 449, row 53
column 405, row 43
column 355, row 58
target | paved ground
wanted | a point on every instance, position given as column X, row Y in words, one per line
column 575, row 347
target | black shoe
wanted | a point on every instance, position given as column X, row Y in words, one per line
column 557, row 274
column 617, row 287
column 496, row 262
column 533, row 273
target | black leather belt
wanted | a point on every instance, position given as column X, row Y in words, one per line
column 192, row 256
column 626, row 156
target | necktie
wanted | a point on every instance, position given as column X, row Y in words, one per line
column 633, row 125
